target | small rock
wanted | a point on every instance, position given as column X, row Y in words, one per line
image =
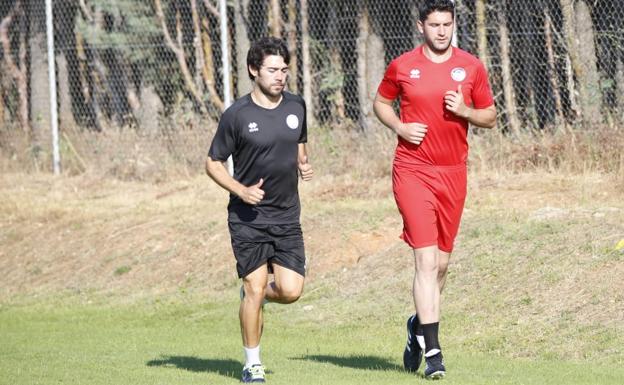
column 548, row 212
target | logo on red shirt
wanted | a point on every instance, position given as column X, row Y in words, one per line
column 415, row 74
column 458, row 74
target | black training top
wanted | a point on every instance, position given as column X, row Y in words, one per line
column 263, row 144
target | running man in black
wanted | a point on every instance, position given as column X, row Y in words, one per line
column 265, row 133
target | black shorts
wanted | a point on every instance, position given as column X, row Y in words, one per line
column 256, row 244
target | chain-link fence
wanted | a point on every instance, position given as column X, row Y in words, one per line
column 156, row 65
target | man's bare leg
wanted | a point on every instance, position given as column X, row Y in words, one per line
column 250, row 313
column 426, row 289
column 443, row 262
column 287, row 286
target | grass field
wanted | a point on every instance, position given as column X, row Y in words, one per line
column 109, row 282
column 183, row 343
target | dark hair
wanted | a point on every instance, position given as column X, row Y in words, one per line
column 264, row 47
column 430, row 6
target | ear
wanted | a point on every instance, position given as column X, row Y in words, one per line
column 420, row 26
column 253, row 71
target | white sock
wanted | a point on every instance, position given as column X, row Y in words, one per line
column 252, row 356
column 432, row 353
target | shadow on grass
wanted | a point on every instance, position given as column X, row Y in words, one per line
column 226, row 368
column 355, row 362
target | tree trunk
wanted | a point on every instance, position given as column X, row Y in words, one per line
column 67, row 75
column 197, row 47
column 2, row 93
column 576, row 111
column 508, row 87
column 590, row 92
column 95, row 72
column 275, row 18
column 208, row 69
column 66, row 115
column 307, row 64
column 619, row 78
column 39, row 86
column 370, row 66
column 481, row 12
column 84, row 76
column 361, row 54
column 149, row 112
column 335, row 71
column 241, row 25
column 376, row 66
column 292, row 45
column 578, row 31
column 18, row 71
column 552, row 67
column 340, row 108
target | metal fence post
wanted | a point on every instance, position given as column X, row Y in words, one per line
column 225, row 55
column 56, row 157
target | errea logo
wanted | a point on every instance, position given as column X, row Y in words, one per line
column 415, row 74
column 253, row 127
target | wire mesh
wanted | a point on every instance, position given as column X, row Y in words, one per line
column 155, row 65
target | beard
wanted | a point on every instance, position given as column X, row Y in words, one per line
column 270, row 91
column 437, row 47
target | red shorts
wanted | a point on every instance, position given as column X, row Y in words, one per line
column 431, row 201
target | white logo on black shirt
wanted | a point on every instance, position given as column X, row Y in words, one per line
column 292, row 121
column 253, row 127
column 415, row 74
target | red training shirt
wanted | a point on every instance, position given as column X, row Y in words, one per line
column 421, row 85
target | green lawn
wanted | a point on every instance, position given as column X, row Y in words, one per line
column 187, row 342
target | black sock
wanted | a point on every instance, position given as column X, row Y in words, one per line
column 419, row 329
column 430, row 332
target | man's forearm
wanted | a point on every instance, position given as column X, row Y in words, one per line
column 485, row 117
column 217, row 171
column 386, row 115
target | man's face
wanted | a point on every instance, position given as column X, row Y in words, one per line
column 437, row 30
column 271, row 76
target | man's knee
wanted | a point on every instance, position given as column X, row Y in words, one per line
column 427, row 263
column 289, row 294
column 255, row 292
column 442, row 269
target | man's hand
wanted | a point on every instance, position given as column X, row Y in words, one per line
column 253, row 194
column 412, row 132
column 454, row 101
column 305, row 169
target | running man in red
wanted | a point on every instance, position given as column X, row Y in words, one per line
column 441, row 90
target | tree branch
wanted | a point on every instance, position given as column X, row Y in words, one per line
column 211, row 8
column 86, row 13
column 179, row 53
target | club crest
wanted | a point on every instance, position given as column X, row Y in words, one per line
column 458, row 74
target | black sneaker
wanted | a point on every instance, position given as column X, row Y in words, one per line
column 434, row 367
column 412, row 355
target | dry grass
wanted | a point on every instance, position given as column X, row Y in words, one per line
column 568, row 151
column 124, row 154
column 179, row 150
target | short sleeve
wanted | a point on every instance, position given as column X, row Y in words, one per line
column 482, row 92
column 303, row 137
column 389, row 87
column 224, row 141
